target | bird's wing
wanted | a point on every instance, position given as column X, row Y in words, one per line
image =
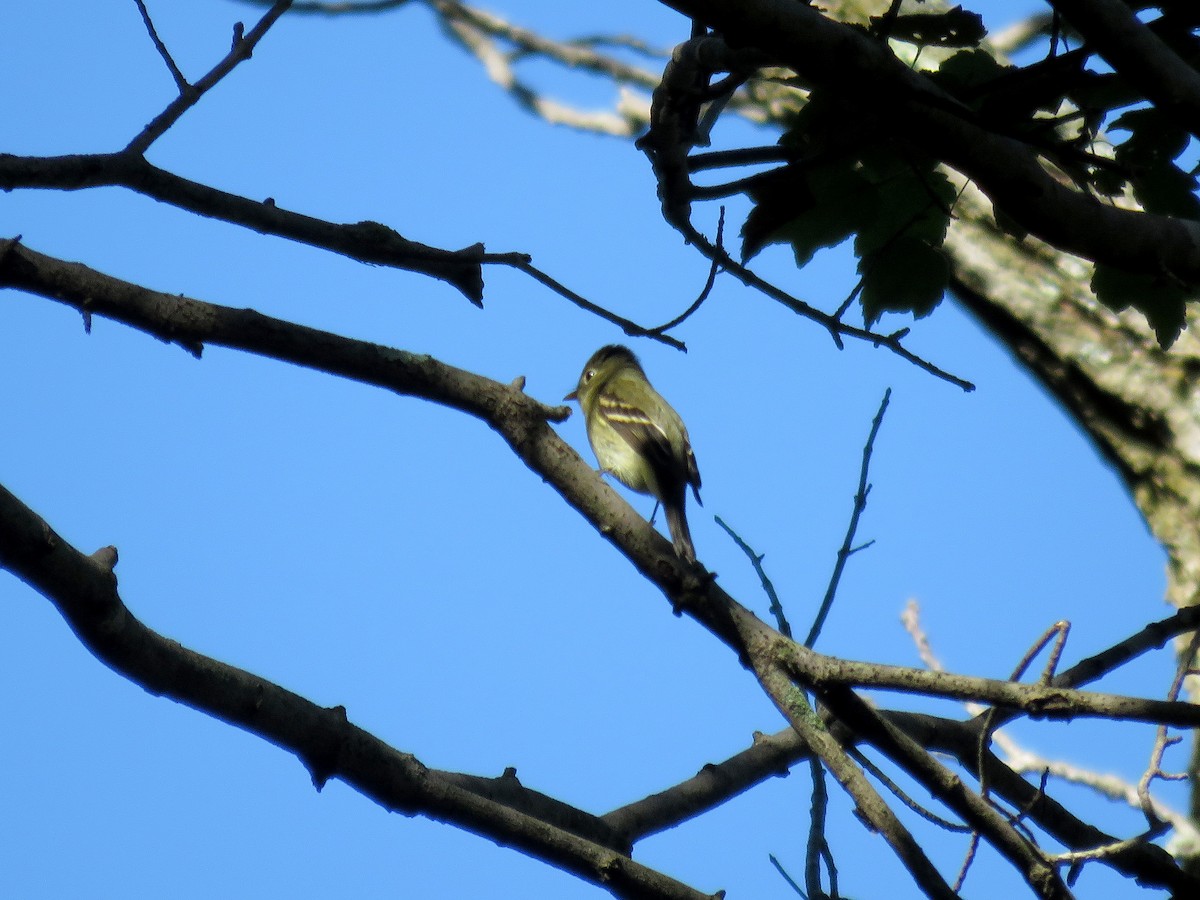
column 641, row 433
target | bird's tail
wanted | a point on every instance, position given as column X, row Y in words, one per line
column 681, row 535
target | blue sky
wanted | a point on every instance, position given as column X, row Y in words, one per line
column 392, row 556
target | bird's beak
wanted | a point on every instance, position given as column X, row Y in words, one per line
column 574, row 395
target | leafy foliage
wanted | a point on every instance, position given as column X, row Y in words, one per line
column 952, row 28
column 892, row 200
column 1159, row 299
column 853, row 177
column 1148, row 158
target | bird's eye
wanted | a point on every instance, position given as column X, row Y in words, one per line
column 589, row 374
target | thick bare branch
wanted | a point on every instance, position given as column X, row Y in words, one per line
column 768, row 756
column 974, row 809
column 869, row 805
column 368, row 242
column 84, row 590
column 521, row 421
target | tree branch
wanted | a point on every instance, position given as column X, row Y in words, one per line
column 1138, row 54
column 190, row 94
column 947, row 787
column 522, row 422
column 180, row 81
column 768, row 756
column 865, row 71
column 84, row 590
column 368, row 242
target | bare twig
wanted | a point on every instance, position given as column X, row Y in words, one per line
column 1161, row 740
column 713, row 270
column 368, row 242
column 243, row 47
column 769, row 756
column 1022, row 760
column 900, row 794
column 478, row 32
column 837, row 329
column 792, row 702
column 630, row 328
column 776, row 608
column 180, row 81
column 848, row 549
column 1058, row 633
column 337, row 7
column 818, row 850
column 947, row 786
column 1155, row 826
column 783, row 873
column 968, row 858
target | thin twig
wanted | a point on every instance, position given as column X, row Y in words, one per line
column 837, row 329
column 243, row 48
column 858, row 288
column 1058, row 633
column 818, row 846
column 972, row 849
column 1161, row 739
column 369, row 242
column 865, row 761
column 776, row 608
column 180, row 81
column 744, row 156
column 783, row 873
column 713, row 270
column 847, row 548
column 1020, row 760
column 630, row 328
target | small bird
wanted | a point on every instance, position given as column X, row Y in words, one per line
column 637, row 437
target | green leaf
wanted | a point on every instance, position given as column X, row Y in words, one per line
column 1106, row 180
column 826, row 126
column 967, row 70
column 952, row 28
column 1154, row 137
column 1162, row 302
column 1166, row 189
column 1148, row 154
column 906, row 275
column 1100, row 91
column 1008, row 224
column 809, row 208
column 914, row 200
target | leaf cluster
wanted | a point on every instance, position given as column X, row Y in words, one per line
column 856, row 173
column 892, row 200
